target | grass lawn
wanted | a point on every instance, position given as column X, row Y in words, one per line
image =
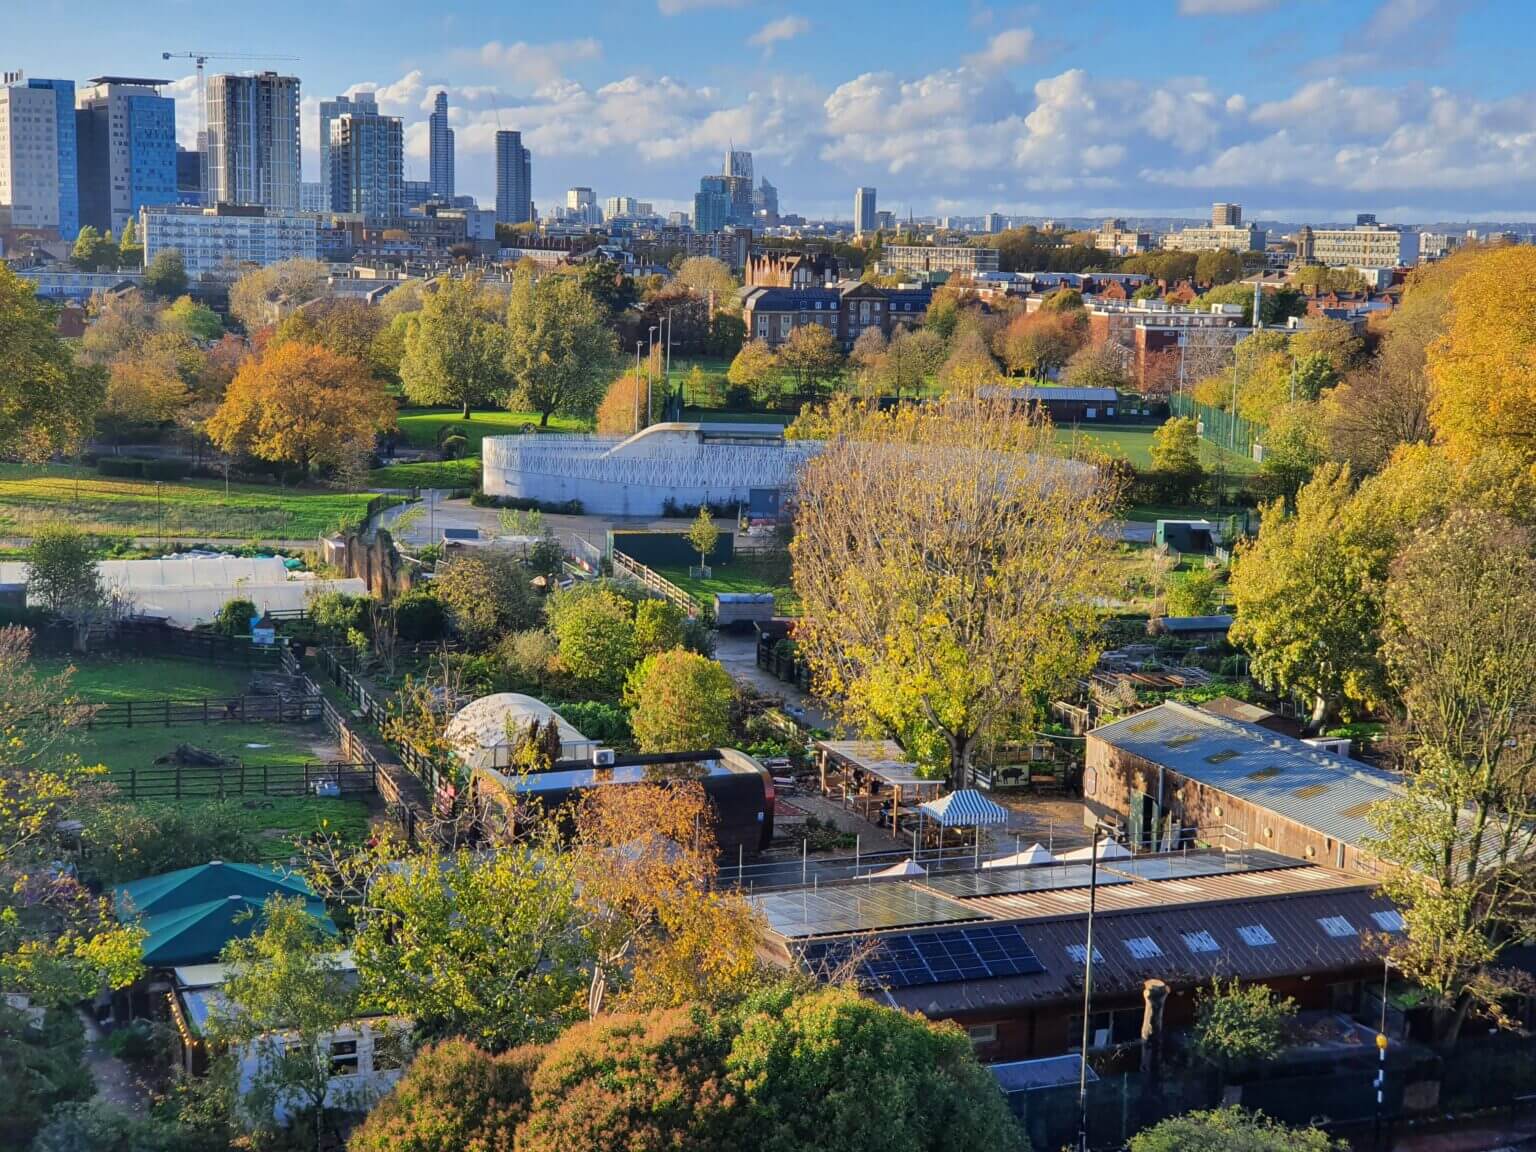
column 200, row 508
column 747, row 573
column 428, row 474
column 1133, row 443
column 420, row 426
column 280, row 822
column 119, row 678
column 123, row 749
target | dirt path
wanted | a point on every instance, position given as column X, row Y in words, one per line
column 115, row 1083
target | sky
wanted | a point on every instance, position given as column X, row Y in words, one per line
column 1302, row 110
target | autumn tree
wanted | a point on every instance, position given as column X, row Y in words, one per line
column 623, row 411
column 254, row 297
column 703, row 535
column 1038, row 343
column 1097, row 366
column 1308, row 598
column 303, row 406
column 197, row 321
column 1484, row 367
column 141, row 390
column 947, row 559
column 707, row 277
column 59, row 943
column 679, row 701
column 909, row 359
column 47, row 400
column 1293, row 449
column 559, row 351
column 969, row 367
column 756, row 368
column 811, row 356
column 455, row 350
column 1461, row 657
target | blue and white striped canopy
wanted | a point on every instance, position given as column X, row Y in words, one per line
column 966, row 808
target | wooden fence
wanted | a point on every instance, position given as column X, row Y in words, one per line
column 152, row 638
column 227, row 709
column 222, row 781
column 628, row 568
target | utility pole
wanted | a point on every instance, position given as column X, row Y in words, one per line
column 1082, row 1071
column 650, row 373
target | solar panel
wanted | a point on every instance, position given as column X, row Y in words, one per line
column 985, row 952
column 1027, row 878
column 1204, row 862
column 865, row 907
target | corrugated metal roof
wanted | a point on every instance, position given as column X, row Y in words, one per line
column 1049, row 394
column 1307, row 785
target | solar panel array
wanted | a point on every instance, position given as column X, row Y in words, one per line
column 858, row 908
column 1026, row 878
column 1210, row 862
column 985, row 952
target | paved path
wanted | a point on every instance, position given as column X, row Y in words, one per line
column 739, row 655
column 114, row 1082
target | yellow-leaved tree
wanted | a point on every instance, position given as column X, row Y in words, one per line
column 1483, row 368
column 949, row 561
column 304, row 406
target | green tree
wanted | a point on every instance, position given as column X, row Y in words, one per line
column 1176, row 468
column 195, row 320
column 42, row 1070
column 1221, row 267
column 679, row 701
column 832, row 1070
column 1237, row 1025
column 594, row 628
column 1097, row 366
column 812, row 357
column 284, row 996
column 455, row 351
column 47, row 401
column 1461, row 656
column 659, row 626
column 703, row 535
column 126, row 841
column 648, row 1083
column 166, row 275
column 1293, row 449
column 130, row 251
column 756, row 368
column 61, row 570
column 455, row 1097
column 702, row 388
column 490, row 946
column 253, row 299
column 559, row 352
column 486, row 593
column 1307, row 596
column 911, row 358
column 1196, row 593
column 1230, row 1130
column 94, row 252
column 98, row 1126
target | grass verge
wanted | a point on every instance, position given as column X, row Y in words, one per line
column 421, row 427
column 768, row 573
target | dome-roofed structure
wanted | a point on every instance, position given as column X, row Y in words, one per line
column 484, row 732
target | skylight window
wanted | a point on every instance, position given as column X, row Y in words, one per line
column 1079, row 953
column 1336, row 926
column 1255, row 935
column 1389, row 921
column 1143, row 948
column 1201, row 942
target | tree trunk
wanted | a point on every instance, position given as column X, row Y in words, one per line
column 1319, row 713
column 544, row 420
column 464, row 412
column 959, row 760
column 1447, row 1022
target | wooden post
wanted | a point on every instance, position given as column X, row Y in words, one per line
column 265, row 786
column 306, row 778
column 178, row 779
column 133, row 781
column 130, row 712
column 205, row 710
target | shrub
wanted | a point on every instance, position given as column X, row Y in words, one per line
column 679, row 701
column 234, row 619
column 338, row 613
column 420, row 617
column 485, row 593
column 526, row 657
column 595, row 630
column 125, row 467
column 454, row 1097
column 126, row 841
column 605, row 723
column 167, row 468
column 658, row 626
column 1235, row 1025
column 1196, row 593
column 1230, row 1130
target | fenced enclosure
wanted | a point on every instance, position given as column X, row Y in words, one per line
column 178, row 781
column 627, row 568
column 169, row 713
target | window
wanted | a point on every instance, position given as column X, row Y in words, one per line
column 1255, row 935
column 1389, row 921
column 1143, row 948
column 1336, row 926
column 1201, row 942
column 1106, row 1029
column 1079, row 954
column 785, row 324
column 982, row 1034
column 343, row 1057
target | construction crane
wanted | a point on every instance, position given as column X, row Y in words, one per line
column 202, row 58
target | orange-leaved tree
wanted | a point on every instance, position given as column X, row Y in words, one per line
column 302, row 405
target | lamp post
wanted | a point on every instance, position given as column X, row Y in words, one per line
column 1082, row 1070
column 650, row 373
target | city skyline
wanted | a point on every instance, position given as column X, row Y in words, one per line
column 1297, row 110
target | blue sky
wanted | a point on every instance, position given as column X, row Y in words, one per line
column 1299, row 109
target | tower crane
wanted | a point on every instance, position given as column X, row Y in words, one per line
column 201, row 58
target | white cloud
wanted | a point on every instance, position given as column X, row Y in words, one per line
column 529, row 66
column 1008, row 49
column 1224, row 7
column 673, row 7
column 777, row 32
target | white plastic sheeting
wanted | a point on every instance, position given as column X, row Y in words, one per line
column 187, row 591
column 482, row 733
